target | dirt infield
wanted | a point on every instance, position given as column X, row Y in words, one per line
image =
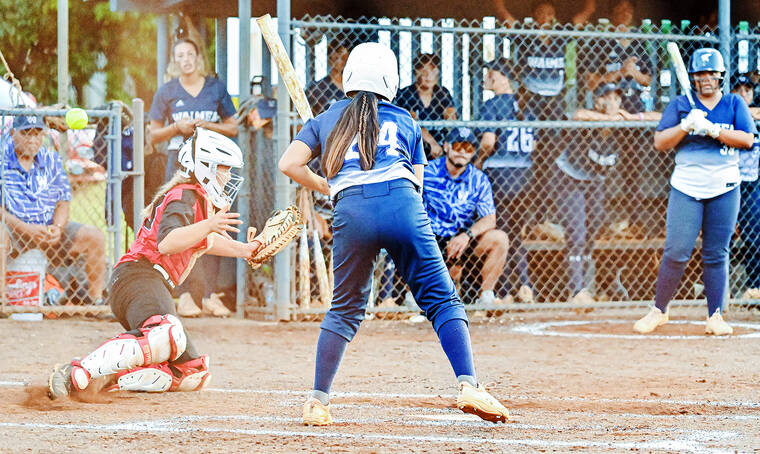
column 572, row 383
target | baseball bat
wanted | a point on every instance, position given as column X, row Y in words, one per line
column 298, row 96
column 680, row 70
column 285, row 67
column 325, row 291
column 304, row 265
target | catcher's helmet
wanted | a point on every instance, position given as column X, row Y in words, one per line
column 706, row 59
column 371, row 67
column 202, row 154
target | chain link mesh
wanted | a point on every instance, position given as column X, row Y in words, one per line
column 564, row 118
column 60, row 235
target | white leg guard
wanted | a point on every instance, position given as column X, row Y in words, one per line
column 161, row 339
column 155, row 379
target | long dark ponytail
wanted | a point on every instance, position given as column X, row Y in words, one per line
column 360, row 117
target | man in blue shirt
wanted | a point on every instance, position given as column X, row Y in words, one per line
column 459, row 202
column 35, row 198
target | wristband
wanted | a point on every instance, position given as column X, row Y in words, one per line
column 469, row 233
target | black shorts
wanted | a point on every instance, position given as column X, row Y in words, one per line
column 137, row 292
column 467, row 256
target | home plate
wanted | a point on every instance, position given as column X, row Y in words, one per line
column 462, row 417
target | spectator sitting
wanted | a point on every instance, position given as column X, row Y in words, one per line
column 506, row 158
column 749, row 209
column 425, row 99
column 459, row 202
column 35, row 202
column 325, row 91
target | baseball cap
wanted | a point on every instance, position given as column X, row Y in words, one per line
column 606, row 88
column 744, row 80
column 28, row 122
column 503, row 65
column 267, row 107
column 462, row 135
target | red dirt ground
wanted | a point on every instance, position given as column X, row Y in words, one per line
column 395, row 391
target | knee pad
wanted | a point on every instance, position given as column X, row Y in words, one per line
column 161, row 338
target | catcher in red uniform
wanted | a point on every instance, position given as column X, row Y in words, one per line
column 187, row 218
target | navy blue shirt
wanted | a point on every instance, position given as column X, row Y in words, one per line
column 454, row 204
column 592, row 153
column 322, row 93
column 398, row 148
column 513, row 146
column 409, row 99
column 173, row 103
column 612, row 59
column 541, row 65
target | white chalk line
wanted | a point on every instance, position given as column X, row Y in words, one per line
column 150, row 427
column 359, row 394
column 542, row 329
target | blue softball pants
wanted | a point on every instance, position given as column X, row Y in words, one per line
column 749, row 227
column 716, row 218
column 387, row 215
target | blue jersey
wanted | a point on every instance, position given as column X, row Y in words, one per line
column 748, row 161
column 173, row 103
column 454, row 204
column 706, row 168
column 541, row 65
column 513, row 145
column 399, row 146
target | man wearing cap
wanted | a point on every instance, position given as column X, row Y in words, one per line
column 459, row 202
column 506, row 157
column 749, row 210
column 325, row 91
column 35, row 198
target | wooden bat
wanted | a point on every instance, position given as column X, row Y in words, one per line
column 680, row 70
column 287, row 72
column 304, row 265
column 325, row 291
column 298, row 96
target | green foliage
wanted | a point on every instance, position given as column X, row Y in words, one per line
column 28, row 39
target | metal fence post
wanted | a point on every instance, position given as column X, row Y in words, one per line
column 244, row 92
column 115, row 172
column 725, row 34
column 282, row 271
column 138, row 160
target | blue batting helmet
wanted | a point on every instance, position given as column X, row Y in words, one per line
column 706, row 59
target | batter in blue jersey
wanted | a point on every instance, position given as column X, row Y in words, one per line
column 704, row 193
column 371, row 154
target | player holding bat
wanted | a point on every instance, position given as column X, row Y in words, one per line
column 373, row 159
column 704, row 193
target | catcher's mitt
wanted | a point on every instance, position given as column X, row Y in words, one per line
column 278, row 231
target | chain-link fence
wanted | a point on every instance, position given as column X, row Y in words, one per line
column 561, row 122
column 60, row 228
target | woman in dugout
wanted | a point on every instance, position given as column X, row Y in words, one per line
column 704, row 193
column 189, row 100
column 187, row 218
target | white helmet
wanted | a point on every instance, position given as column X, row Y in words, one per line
column 202, row 153
column 371, row 67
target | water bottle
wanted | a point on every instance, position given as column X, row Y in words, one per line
column 268, row 289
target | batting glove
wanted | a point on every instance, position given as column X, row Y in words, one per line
column 688, row 122
column 705, row 127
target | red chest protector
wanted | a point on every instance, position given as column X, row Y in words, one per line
column 179, row 265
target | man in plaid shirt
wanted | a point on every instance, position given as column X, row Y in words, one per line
column 35, row 196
